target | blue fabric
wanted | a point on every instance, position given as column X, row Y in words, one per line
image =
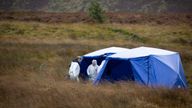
column 181, row 73
column 100, row 74
column 168, row 71
column 153, row 71
column 140, row 69
column 115, row 71
column 165, row 76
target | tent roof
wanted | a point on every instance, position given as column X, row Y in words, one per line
column 107, row 50
column 141, row 52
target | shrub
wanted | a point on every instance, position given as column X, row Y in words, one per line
column 96, row 12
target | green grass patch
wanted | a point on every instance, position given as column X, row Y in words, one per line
column 127, row 35
column 73, row 31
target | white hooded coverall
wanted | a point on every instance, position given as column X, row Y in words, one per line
column 74, row 71
column 92, row 71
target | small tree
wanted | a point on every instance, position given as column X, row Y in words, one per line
column 96, row 12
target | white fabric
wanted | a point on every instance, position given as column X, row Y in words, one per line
column 92, row 71
column 100, row 66
column 74, row 71
column 141, row 52
column 172, row 61
column 107, row 50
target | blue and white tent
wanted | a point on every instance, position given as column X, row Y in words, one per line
column 148, row 66
column 98, row 55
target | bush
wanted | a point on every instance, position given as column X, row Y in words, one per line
column 96, row 12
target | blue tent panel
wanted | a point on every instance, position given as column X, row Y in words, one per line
column 140, row 69
column 100, row 74
column 168, row 71
column 165, row 76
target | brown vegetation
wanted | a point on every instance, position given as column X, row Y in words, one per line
column 123, row 18
column 34, row 60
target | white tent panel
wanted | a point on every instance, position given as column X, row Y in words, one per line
column 142, row 52
column 107, row 50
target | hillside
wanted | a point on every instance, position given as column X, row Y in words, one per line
column 147, row 6
column 35, row 57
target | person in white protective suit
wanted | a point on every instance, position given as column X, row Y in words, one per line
column 74, row 69
column 92, row 70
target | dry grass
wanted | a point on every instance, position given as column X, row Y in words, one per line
column 53, row 94
column 34, row 59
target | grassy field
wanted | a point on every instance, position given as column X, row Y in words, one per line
column 34, row 59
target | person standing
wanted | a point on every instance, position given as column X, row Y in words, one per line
column 74, row 69
column 92, row 70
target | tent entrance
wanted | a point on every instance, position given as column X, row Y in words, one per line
column 118, row 70
column 86, row 62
